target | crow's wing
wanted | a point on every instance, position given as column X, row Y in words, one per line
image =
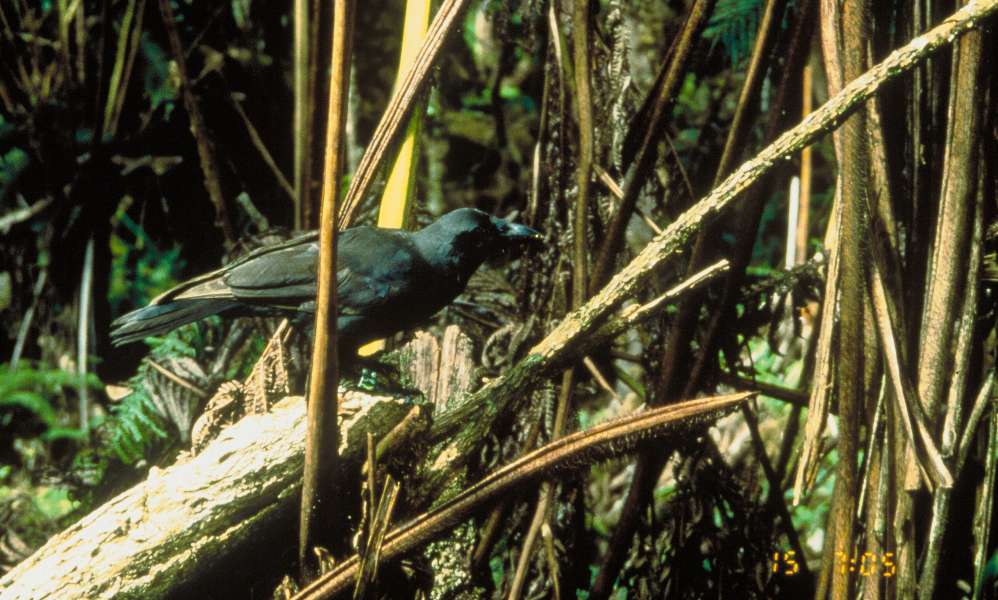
column 214, row 285
column 373, row 266
column 284, row 277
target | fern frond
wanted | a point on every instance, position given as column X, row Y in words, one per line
column 734, row 24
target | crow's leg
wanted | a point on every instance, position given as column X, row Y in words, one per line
column 374, row 376
column 386, row 370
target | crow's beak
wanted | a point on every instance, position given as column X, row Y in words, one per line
column 514, row 232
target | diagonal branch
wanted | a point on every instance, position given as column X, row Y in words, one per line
column 579, row 449
column 500, row 395
column 396, row 115
column 641, row 165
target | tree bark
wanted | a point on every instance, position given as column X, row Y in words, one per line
column 170, row 531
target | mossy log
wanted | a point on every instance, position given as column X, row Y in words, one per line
column 174, row 528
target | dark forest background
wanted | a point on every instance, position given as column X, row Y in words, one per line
column 105, row 202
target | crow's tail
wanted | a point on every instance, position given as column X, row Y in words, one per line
column 160, row 318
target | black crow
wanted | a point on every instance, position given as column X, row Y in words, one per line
column 387, row 280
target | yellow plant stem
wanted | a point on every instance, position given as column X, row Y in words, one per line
column 396, row 201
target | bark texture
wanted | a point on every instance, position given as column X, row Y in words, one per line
column 170, row 529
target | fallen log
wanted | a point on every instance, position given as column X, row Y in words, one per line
column 165, row 533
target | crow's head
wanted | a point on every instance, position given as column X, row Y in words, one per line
column 469, row 236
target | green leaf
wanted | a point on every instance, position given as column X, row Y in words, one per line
column 32, row 402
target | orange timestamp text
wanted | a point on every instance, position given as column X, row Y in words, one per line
column 867, row 564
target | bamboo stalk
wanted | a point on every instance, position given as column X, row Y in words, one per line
column 946, row 278
column 261, row 148
column 321, row 442
column 854, row 165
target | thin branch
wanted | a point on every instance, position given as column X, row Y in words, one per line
column 29, row 315
column 261, row 147
column 793, row 396
column 567, row 453
column 618, row 193
column 84, row 324
column 396, row 115
column 981, row 402
column 985, row 508
column 120, row 87
column 22, row 214
column 804, row 202
column 640, row 167
column 321, row 442
column 910, row 414
column 584, row 104
column 197, row 391
column 667, row 247
column 206, row 149
column 303, row 120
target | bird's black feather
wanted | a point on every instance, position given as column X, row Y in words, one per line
column 386, row 281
